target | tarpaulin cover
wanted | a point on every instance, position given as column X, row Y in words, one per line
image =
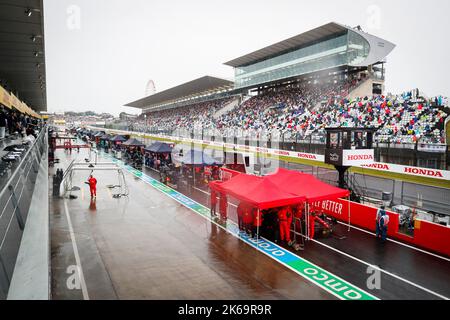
column 196, row 157
column 159, row 147
column 257, row 191
column 133, row 143
column 306, row 185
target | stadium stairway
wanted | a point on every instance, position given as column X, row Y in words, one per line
column 364, row 89
column 227, row 108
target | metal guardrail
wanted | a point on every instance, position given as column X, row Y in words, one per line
column 15, row 200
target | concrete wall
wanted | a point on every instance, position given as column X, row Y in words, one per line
column 31, row 277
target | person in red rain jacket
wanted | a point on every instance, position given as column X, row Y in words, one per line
column 257, row 222
column 283, row 224
column 290, row 217
column 240, row 215
column 247, row 219
column 298, row 215
column 223, row 206
column 93, row 186
column 312, row 221
column 213, row 202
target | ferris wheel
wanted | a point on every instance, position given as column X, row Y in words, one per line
column 150, row 88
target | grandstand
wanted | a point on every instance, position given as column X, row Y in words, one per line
column 331, row 76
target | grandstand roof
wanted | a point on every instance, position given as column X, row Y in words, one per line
column 203, row 85
column 22, row 51
column 298, row 41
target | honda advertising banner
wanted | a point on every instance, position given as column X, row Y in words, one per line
column 352, row 158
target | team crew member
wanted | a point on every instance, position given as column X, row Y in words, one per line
column 290, row 216
column 312, row 222
column 240, row 214
column 380, row 213
column 283, row 224
column 93, row 186
column 247, row 219
column 213, row 202
column 384, row 221
column 223, row 206
column 298, row 215
column 257, row 221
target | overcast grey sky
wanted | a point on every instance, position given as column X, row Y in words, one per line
column 100, row 54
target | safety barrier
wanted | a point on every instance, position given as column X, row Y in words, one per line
column 15, row 200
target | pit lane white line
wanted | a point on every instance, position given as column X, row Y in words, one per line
column 378, row 268
column 364, row 262
column 397, row 242
column 76, row 253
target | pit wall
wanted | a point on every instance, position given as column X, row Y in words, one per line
column 428, row 236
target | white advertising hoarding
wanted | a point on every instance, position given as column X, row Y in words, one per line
column 357, row 157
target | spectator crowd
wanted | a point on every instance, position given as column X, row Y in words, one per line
column 305, row 110
column 13, row 122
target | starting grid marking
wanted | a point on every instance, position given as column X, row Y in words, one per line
column 311, row 272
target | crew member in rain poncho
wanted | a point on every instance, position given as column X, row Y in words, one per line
column 93, row 186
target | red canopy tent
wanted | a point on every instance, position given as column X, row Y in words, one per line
column 257, row 191
column 305, row 185
column 283, row 188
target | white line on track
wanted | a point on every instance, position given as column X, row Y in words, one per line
column 77, row 255
column 371, row 265
column 381, row 270
column 397, row 242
